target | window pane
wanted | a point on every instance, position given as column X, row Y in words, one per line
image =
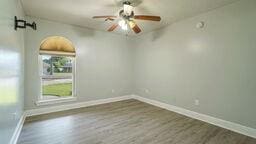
column 53, row 87
column 47, row 69
column 57, row 66
column 57, row 77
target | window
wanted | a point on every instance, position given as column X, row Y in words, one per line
column 57, row 76
column 57, row 71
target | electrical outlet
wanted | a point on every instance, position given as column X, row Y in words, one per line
column 196, row 102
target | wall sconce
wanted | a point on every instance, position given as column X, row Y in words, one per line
column 23, row 24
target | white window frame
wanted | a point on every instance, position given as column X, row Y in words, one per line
column 40, row 101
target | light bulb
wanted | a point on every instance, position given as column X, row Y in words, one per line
column 123, row 24
column 124, row 27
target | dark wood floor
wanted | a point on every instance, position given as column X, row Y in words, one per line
column 125, row 122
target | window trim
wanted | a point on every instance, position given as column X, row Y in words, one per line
column 40, row 101
column 55, row 101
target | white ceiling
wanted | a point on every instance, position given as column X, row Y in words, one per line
column 80, row 12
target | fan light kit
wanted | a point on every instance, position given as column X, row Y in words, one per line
column 126, row 18
column 123, row 24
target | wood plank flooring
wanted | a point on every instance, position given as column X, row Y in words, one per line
column 125, row 122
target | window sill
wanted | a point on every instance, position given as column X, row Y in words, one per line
column 55, row 101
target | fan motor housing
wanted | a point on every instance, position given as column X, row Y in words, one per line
column 122, row 15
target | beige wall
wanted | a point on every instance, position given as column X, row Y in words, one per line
column 103, row 61
column 11, row 69
column 215, row 65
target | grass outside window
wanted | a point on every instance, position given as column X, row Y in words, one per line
column 60, row 90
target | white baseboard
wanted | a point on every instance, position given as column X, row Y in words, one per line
column 209, row 119
column 64, row 107
column 18, row 129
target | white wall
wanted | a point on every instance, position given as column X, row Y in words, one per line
column 103, row 61
column 11, row 69
column 215, row 65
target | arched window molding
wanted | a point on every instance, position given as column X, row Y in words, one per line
column 57, row 45
column 57, row 71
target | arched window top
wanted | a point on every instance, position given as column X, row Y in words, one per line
column 57, row 45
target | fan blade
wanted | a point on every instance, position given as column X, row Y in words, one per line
column 107, row 16
column 134, row 27
column 113, row 27
column 147, row 17
column 111, row 19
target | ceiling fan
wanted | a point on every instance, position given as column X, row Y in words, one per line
column 126, row 18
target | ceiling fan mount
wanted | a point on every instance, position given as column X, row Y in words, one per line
column 127, row 2
column 127, row 17
column 133, row 3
